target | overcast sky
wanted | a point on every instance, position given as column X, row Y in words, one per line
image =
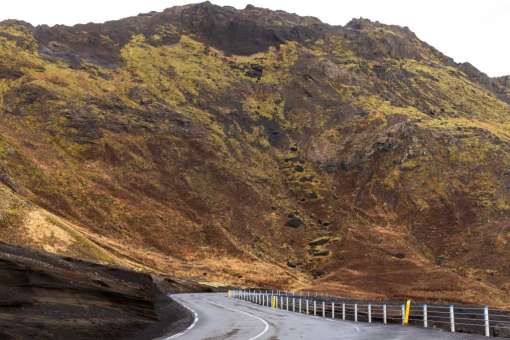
column 477, row 31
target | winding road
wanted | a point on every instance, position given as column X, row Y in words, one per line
column 217, row 317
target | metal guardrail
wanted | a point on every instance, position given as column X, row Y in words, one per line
column 455, row 318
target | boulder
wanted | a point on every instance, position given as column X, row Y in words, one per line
column 293, row 263
column 319, row 252
column 255, row 71
column 299, row 168
column 8, row 181
column 319, row 241
column 294, row 222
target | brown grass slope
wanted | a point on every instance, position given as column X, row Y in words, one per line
column 261, row 148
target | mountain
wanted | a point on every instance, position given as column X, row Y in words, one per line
column 260, row 148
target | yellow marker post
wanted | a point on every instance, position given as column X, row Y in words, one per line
column 407, row 312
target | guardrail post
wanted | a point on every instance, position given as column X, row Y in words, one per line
column 403, row 307
column 425, row 316
column 323, row 309
column 287, row 303
column 452, row 319
column 369, row 313
column 332, row 310
column 294, row 304
column 315, row 307
column 407, row 312
column 306, row 307
column 385, row 314
column 300, row 305
column 343, row 311
column 486, row 319
column 356, row 312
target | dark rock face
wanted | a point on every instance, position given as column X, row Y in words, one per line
column 8, row 181
column 246, row 32
column 373, row 46
column 27, row 98
column 101, row 302
column 10, row 73
column 499, row 86
column 238, row 32
column 85, row 129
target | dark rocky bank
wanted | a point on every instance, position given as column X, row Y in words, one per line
column 43, row 296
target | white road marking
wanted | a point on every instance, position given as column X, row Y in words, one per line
column 347, row 323
column 195, row 320
column 266, row 328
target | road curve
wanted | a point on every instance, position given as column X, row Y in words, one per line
column 218, row 317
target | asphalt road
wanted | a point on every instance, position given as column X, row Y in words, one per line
column 218, row 317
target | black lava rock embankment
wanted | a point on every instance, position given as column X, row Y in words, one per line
column 43, row 296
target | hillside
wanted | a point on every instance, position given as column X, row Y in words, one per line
column 222, row 145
